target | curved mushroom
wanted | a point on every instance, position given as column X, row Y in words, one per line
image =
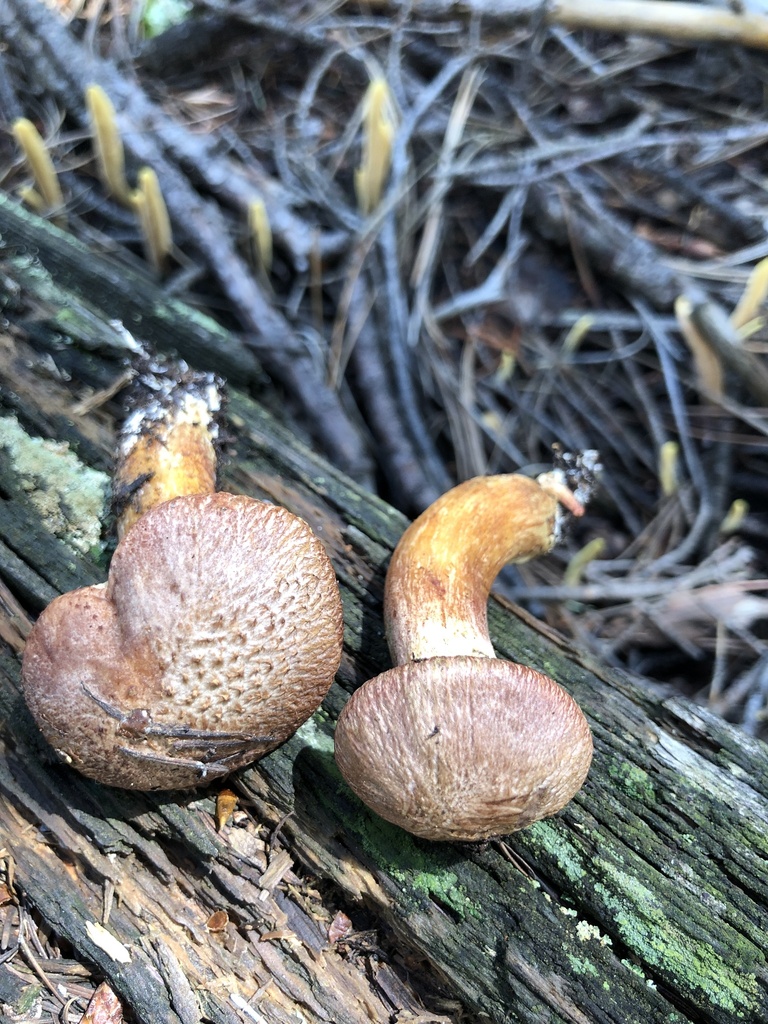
column 453, row 743
column 218, row 632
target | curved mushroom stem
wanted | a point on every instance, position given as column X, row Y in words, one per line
column 453, row 743
column 167, row 446
column 440, row 576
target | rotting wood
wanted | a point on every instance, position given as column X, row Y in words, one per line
column 645, row 900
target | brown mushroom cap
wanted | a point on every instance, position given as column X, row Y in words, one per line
column 463, row 748
column 217, row 634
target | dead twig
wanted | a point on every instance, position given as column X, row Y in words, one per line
column 677, row 21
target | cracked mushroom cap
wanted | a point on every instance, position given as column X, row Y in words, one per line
column 218, row 632
column 463, row 748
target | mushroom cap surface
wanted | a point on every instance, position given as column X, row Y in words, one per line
column 218, row 633
column 463, row 748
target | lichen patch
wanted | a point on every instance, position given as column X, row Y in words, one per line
column 69, row 496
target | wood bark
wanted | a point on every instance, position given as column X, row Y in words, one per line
column 643, row 901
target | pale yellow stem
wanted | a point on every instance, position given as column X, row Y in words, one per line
column 153, row 217
column 753, row 296
column 378, row 133
column 107, row 144
column 260, row 233
column 578, row 563
column 39, row 161
column 669, row 472
column 709, row 369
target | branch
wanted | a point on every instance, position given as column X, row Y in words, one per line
column 676, row 21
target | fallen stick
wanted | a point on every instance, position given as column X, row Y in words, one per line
column 670, row 19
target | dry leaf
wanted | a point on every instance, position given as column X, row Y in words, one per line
column 218, row 921
column 104, row 1007
column 730, row 603
column 339, row 927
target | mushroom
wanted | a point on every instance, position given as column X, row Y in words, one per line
column 217, row 634
column 453, row 743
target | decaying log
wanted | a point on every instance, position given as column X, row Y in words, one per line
column 645, row 900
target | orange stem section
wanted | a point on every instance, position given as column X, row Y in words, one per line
column 165, row 454
column 440, row 576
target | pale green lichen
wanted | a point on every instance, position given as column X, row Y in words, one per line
column 586, row 932
column 31, row 996
column 418, row 871
column 159, row 15
column 311, row 734
column 581, row 966
column 662, row 945
column 69, row 496
column 441, row 885
column 635, row 969
column 548, row 837
column 633, row 780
